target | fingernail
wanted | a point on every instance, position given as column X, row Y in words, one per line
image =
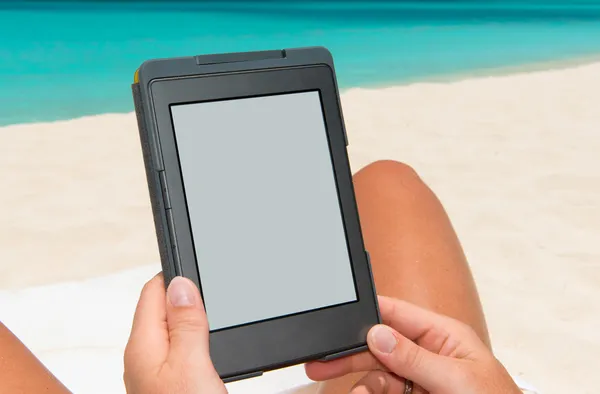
column 383, row 339
column 180, row 292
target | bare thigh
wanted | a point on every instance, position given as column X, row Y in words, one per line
column 415, row 253
column 21, row 371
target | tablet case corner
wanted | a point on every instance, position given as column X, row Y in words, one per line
column 244, row 376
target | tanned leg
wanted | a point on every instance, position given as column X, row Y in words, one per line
column 21, row 372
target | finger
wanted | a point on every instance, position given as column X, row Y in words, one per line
column 320, row 371
column 405, row 358
column 151, row 304
column 378, row 382
column 410, row 320
column 148, row 342
column 429, row 329
column 188, row 327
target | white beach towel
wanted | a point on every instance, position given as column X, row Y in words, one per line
column 79, row 330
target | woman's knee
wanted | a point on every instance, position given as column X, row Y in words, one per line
column 389, row 176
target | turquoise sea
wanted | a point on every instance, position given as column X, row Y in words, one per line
column 60, row 60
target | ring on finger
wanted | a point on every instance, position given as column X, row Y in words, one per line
column 408, row 386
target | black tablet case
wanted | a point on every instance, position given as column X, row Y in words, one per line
column 153, row 177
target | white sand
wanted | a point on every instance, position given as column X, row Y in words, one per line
column 515, row 160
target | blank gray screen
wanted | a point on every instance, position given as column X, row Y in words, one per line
column 263, row 207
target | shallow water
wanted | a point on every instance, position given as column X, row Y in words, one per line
column 60, row 60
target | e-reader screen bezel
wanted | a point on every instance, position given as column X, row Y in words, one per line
column 286, row 340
